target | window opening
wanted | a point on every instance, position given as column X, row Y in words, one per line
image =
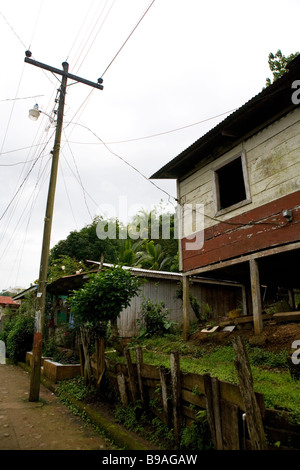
column 231, row 184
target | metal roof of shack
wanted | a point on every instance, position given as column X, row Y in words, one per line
column 269, row 105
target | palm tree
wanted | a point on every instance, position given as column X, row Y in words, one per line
column 129, row 253
column 154, row 258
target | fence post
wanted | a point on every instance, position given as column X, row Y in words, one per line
column 253, row 414
column 164, row 393
column 139, row 363
column 176, row 392
column 122, row 389
column 210, row 406
column 131, row 377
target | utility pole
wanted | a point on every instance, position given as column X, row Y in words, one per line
column 42, row 283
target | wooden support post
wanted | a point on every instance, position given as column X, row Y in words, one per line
column 139, row 363
column 176, row 392
column 256, row 296
column 185, row 307
column 292, row 299
column 131, row 376
column 164, row 393
column 244, row 300
column 253, row 413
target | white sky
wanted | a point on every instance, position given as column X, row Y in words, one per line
column 186, row 62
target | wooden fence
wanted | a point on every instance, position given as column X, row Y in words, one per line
column 176, row 398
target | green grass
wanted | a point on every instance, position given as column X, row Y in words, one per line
column 271, row 376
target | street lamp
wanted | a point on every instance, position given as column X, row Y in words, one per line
column 34, row 113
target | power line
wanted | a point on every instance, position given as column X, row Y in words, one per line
column 124, row 43
column 97, row 31
column 13, row 30
column 127, row 163
column 80, row 180
column 23, row 182
column 23, row 98
column 159, row 133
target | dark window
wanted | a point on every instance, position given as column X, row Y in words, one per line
column 231, row 184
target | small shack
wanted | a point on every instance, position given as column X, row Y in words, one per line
column 221, row 296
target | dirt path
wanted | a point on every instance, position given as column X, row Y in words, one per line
column 44, row 425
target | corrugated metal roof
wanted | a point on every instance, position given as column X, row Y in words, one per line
column 5, row 300
column 270, row 104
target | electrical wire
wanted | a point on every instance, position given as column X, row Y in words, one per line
column 124, row 43
column 80, row 29
column 98, row 31
column 24, row 98
column 80, row 180
column 23, row 182
column 9, row 25
column 126, row 162
column 157, row 134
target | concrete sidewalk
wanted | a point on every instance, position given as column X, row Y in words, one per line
column 44, row 425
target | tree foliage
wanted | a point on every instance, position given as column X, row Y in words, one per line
column 146, row 245
column 103, row 297
column 278, row 64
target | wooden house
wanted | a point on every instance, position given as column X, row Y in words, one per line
column 245, row 174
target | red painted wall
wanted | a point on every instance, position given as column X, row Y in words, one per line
column 224, row 241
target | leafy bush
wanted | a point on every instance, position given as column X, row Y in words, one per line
column 7, row 327
column 154, row 319
column 197, row 436
column 103, row 298
column 20, row 338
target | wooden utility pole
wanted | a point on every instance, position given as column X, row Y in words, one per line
column 42, row 283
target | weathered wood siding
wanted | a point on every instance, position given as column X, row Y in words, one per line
column 221, row 299
column 273, row 165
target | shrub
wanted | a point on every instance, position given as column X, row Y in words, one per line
column 7, row 327
column 20, row 338
column 154, row 319
column 197, row 436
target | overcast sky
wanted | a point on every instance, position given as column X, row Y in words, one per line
column 185, row 63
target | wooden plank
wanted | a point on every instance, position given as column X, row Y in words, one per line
column 189, row 413
column 231, row 392
column 192, row 381
column 193, row 399
column 149, row 372
column 176, row 392
column 200, row 269
column 256, row 297
column 131, row 375
column 286, row 316
column 253, row 414
column 151, row 383
column 230, row 426
column 224, row 241
column 139, row 363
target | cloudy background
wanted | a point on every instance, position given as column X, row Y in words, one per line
column 185, row 68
